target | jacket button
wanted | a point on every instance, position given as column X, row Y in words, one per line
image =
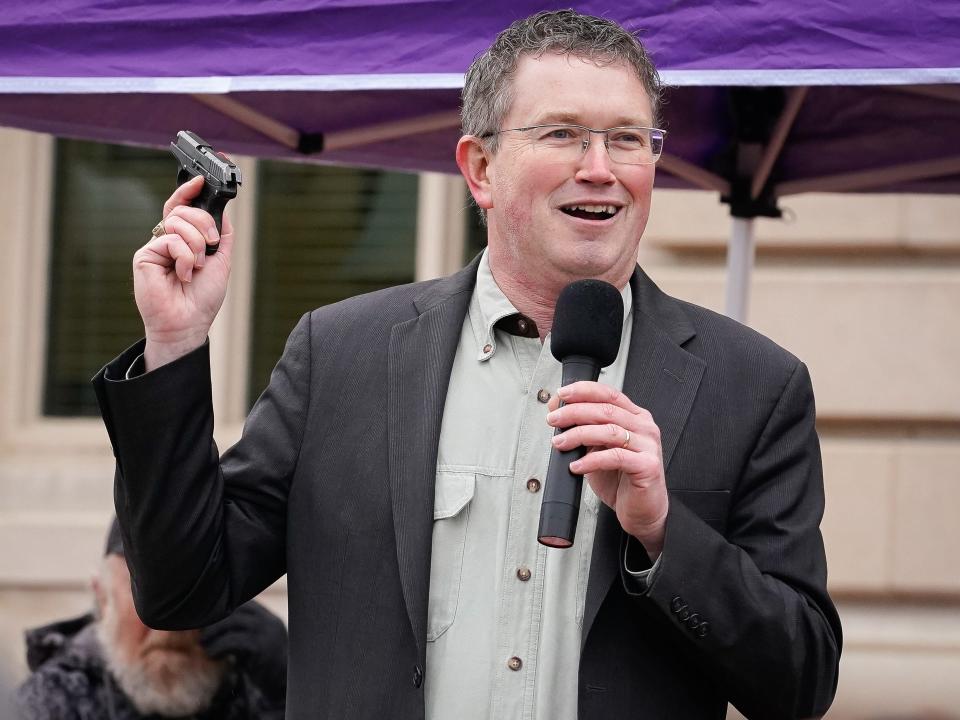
column 684, row 613
column 523, row 574
column 676, row 604
column 514, row 663
column 703, row 629
column 417, row 676
column 693, row 621
column 533, row 485
column 543, row 396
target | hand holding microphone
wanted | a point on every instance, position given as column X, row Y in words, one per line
column 604, row 435
column 587, row 323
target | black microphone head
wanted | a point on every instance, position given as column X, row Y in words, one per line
column 588, row 320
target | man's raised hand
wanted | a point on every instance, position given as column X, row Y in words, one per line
column 178, row 288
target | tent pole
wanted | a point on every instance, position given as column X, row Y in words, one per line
column 867, row 179
column 381, row 132
column 779, row 136
column 263, row 124
column 740, row 254
column 693, row 174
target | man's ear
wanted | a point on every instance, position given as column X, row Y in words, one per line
column 474, row 163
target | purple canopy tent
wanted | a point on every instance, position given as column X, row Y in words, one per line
column 766, row 99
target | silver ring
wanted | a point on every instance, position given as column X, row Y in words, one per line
column 158, row 230
column 627, row 441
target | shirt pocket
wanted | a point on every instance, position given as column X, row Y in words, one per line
column 453, row 493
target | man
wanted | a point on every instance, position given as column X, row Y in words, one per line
column 393, row 466
column 110, row 666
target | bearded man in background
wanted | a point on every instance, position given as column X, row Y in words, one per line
column 110, row 665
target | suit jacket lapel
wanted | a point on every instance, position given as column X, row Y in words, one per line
column 660, row 376
column 663, row 378
column 420, row 361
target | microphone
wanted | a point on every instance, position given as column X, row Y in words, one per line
column 587, row 323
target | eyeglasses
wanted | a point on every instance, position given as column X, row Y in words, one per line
column 626, row 145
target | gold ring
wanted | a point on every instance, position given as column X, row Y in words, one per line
column 627, row 441
column 158, row 230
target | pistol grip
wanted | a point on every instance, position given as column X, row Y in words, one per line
column 208, row 200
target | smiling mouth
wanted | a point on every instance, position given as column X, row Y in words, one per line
column 591, row 212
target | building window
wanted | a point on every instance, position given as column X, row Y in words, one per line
column 106, row 197
column 324, row 234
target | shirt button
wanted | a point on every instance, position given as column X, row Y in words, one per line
column 523, row 573
column 487, row 348
column 533, row 485
column 514, row 663
column 522, row 325
column 543, row 396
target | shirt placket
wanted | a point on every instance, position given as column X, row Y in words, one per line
column 522, row 580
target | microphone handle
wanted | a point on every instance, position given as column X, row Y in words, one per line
column 561, row 492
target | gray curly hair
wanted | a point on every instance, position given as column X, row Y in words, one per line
column 488, row 92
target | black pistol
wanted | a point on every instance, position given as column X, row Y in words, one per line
column 221, row 177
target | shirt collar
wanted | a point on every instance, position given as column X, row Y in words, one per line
column 489, row 306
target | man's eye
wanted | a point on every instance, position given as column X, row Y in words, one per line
column 562, row 133
column 628, row 138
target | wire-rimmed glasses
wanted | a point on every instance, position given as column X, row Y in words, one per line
column 626, row 145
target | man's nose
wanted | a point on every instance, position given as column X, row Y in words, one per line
column 595, row 164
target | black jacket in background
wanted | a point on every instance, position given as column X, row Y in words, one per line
column 70, row 681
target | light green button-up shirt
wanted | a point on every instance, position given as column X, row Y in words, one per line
column 505, row 613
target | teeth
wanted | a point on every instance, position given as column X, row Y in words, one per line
column 609, row 209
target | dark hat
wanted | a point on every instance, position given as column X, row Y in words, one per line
column 114, row 540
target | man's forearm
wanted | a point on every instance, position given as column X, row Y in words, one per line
column 167, row 487
column 157, row 354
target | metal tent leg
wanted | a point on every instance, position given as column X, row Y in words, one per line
column 740, row 253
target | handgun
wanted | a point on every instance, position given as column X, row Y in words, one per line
column 221, row 177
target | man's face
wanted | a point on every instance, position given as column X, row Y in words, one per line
column 529, row 225
column 160, row 671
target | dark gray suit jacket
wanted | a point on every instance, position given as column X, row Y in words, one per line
column 332, row 484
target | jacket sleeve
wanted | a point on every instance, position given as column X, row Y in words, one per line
column 201, row 534
column 753, row 603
